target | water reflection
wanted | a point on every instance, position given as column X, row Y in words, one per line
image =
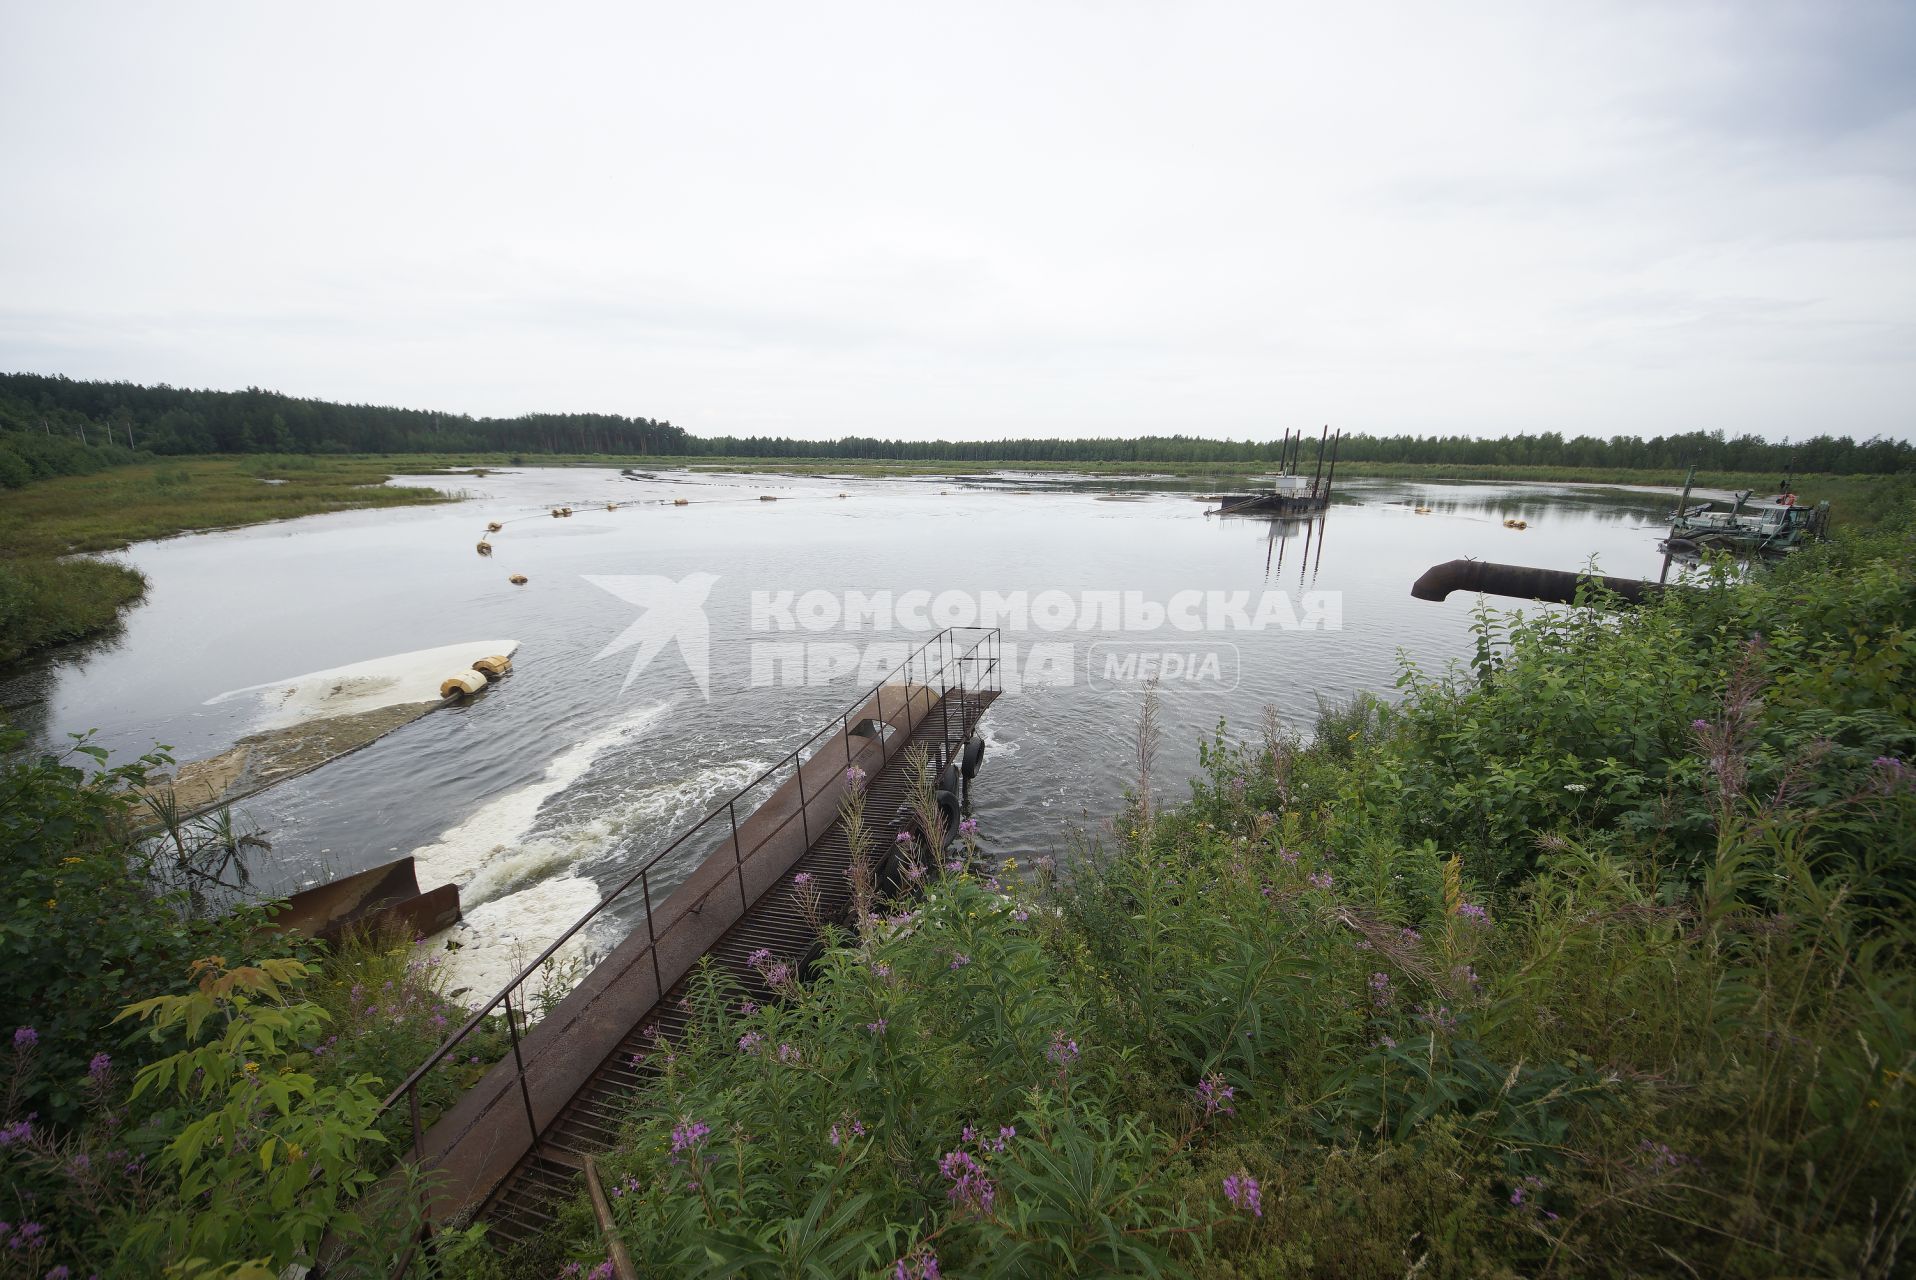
column 552, row 782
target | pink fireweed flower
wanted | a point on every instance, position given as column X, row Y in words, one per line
column 750, row 1041
column 25, row 1038
column 802, row 879
column 969, row 827
column 921, row 1264
column 1063, row 1052
column 99, row 1066
column 881, row 969
column 1380, row 991
column 1474, row 913
column 915, row 872
column 1020, row 915
column 1321, row 879
column 787, row 1054
column 904, row 837
column 959, row 960
column 854, row 777
column 689, row 1135
column 954, row 865
column 762, row 956
column 877, row 1028
column 1216, row 1096
column 1244, row 1193
column 1289, row 856
column 970, row 1188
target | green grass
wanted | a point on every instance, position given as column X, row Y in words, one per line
column 1593, row 959
column 50, row 602
column 51, row 596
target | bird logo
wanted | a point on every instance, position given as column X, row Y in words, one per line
column 673, row 611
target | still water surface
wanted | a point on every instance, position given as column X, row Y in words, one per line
column 544, row 791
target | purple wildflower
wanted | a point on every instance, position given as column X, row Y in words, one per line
column 1474, row 913
column 18, row 1131
column 750, row 1041
column 1216, row 1096
column 854, row 777
column 762, row 956
column 1063, row 1052
column 787, row 1054
column 1380, row 991
column 969, row 827
column 1289, row 856
column 920, row 1264
column 877, row 1028
column 802, row 879
column 970, row 1188
column 959, row 960
column 1321, row 879
column 1020, row 915
column 904, row 837
column 689, row 1135
column 1244, row 1193
column 25, row 1038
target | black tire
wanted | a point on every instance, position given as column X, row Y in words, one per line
column 974, row 757
column 948, row 814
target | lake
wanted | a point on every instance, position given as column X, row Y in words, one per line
column 539, row 793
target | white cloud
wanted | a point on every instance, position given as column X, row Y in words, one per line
column 980, row 220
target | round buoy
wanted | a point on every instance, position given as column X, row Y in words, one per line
column 517, row 579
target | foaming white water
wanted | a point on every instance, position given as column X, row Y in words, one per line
column 364, row 686
column 1001, row 748
column 522, row 869
column 499, row 938
column 491, row 841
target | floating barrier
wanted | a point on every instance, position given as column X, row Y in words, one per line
column 517, row 579
column 463, row 685
column 494, row 667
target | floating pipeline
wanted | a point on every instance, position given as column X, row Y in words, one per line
column 1553, row 586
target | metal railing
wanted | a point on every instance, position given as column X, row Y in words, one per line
column 971, row 652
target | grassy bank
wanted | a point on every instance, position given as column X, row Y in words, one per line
column 1593, row 958
column 50, row 596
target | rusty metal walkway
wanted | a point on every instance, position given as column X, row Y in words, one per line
column 511, row 1148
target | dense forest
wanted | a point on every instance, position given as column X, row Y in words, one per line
column 55, row 426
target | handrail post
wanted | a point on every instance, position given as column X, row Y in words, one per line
column 738, row 859
column 804, row 805
column 645, row 883
column 519, row 1064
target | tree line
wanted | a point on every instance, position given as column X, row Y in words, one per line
column 53, row 425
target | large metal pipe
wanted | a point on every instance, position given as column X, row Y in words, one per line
column 1554, row 586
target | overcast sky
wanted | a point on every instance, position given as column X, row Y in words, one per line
column 976, row 220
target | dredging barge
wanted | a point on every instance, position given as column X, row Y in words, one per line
column 1289, row 494
column 1775, row 527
